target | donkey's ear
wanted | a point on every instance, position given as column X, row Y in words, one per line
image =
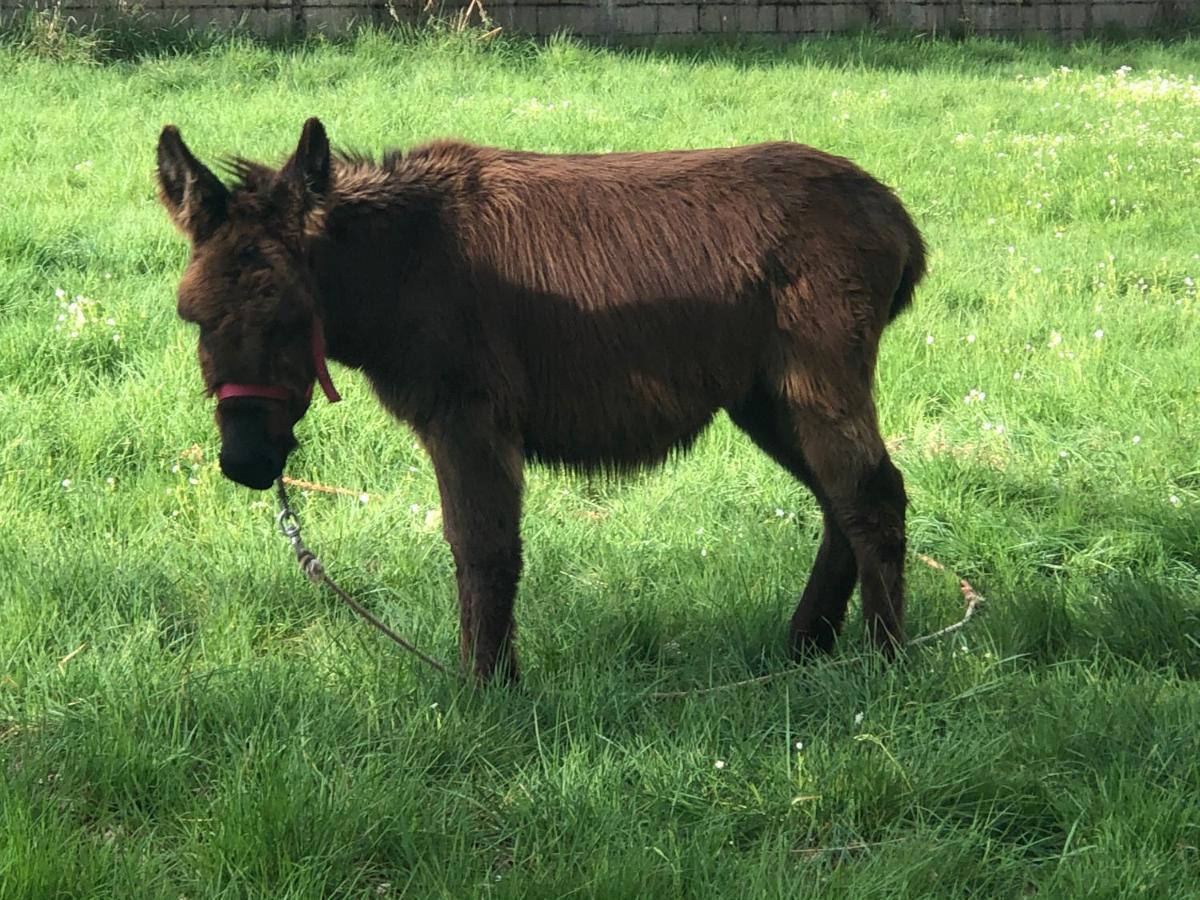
column 192, row 194
column 308, row 169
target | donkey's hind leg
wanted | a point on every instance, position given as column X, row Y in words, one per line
column 866, row 496
column 818, row 618
column 843, row 460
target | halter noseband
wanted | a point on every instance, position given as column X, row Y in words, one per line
column 274, row 392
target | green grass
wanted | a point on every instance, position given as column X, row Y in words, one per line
column 223, row 729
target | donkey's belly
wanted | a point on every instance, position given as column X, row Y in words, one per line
column 633, row 423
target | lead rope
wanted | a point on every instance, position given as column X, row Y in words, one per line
column 289, row 527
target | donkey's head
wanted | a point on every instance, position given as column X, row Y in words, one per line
column 250, row 289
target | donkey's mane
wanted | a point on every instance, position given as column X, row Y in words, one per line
column 249, row 175
column 356, row 173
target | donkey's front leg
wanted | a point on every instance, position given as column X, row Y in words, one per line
column 480, row 475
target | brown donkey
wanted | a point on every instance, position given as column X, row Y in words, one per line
column 588, row 311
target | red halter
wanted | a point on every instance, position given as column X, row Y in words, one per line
column 273, row 392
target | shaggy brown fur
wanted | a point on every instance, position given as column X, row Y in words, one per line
column 588, row 311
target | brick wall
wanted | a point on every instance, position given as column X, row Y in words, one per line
column 642, row 19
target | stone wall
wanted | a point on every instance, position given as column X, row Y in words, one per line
column 648, row 19
column 794, row 18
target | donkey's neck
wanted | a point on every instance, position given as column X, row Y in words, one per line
column 379, row 239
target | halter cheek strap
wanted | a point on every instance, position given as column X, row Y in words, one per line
column 230, row 390
column 318, row 352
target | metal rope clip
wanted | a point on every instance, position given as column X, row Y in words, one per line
column 289, row 527
column 287, row 520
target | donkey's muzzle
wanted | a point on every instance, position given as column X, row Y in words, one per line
column 252, row 452
column 257, row 472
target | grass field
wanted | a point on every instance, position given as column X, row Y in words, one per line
column 182, row 715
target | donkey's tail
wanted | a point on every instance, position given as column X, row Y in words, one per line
column 914, row 271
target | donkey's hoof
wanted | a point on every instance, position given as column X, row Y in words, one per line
column 808, row 645
column 889, row 643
